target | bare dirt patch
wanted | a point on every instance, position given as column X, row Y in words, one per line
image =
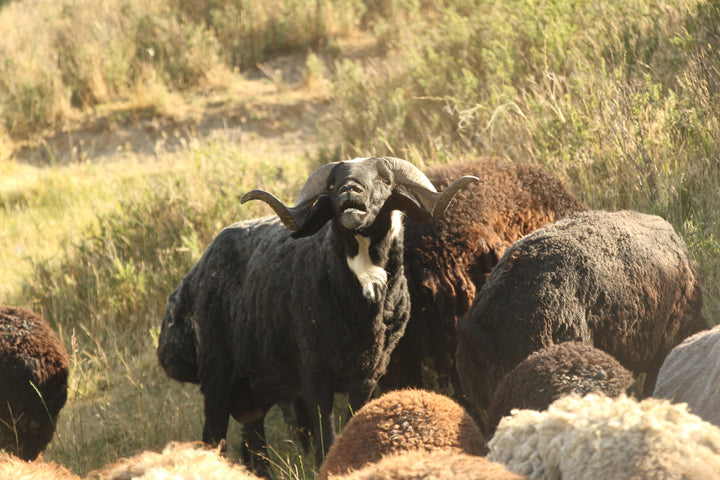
column 273, row 106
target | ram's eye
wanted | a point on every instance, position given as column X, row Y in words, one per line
column 386, row 181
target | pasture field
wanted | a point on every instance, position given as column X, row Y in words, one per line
column 129, row 131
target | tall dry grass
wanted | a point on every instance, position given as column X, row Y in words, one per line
column 62, row 60
column 103, row 289
column 620, row 99
column 617, row 98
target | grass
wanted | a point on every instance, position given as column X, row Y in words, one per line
column 103, row 289
column 619, row 99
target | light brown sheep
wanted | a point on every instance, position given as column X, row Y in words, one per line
column 435, row 465
column 178, row 461
column 14, row 468
column 400, row 421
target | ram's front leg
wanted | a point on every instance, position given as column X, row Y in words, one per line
column 217, row 413
column 254, row 450
column 215, row 386
column 318, row 397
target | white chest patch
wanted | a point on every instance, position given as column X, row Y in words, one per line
column 396, row 224
column 371, row 277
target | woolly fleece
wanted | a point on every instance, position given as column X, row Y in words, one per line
column 13, row 468
column 34, row 369
column 435, row 465
column 691, row 374
column 608, row 439
column 620, row 281
column 400, row 421
column 178, row 461
column 555, row 371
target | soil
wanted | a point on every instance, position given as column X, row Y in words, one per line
column 272, row 106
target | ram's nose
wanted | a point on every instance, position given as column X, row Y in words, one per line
column 351, row 187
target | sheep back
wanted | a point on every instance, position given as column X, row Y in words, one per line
column 608, row 438
column 14, row 468
column 34, row 369
column 556, row 371
column 437, row 465
column 400, row 421
column 177, row 461
column 620, row 281
column 691, row 374
column 448, row 258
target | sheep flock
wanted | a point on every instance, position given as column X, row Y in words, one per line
column 479, row 321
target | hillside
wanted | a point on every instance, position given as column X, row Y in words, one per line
column 129, row 130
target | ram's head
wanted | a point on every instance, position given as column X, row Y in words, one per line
column 356, row 191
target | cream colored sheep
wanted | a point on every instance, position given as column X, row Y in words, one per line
column 14, row 468
column 178, row 461
column 435, row 465
column 401, row 421
column 598, row 438
column 691, row 374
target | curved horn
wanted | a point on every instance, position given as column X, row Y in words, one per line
column 443, row 199
column 408, row 174
column 292, row 217
column 434, row 202
column 314, row 185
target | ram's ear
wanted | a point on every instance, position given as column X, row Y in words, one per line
column 318, row 215
column 409, row 205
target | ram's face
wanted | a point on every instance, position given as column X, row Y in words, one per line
column 355, row 192
column 359, row 189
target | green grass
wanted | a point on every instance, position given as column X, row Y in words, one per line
column 103, row 290
column 617, row 98
column 92, row 54
column 620, row 99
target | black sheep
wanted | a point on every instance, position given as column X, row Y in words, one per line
column 448, row 258
column 288, row 319
column 556, row 371
column 621, row 281
column 34, row 369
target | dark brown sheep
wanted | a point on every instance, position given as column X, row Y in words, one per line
column 402, row 421
column 34, row 368
column 556, row 371
column 620, row 281
column 448, row 259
